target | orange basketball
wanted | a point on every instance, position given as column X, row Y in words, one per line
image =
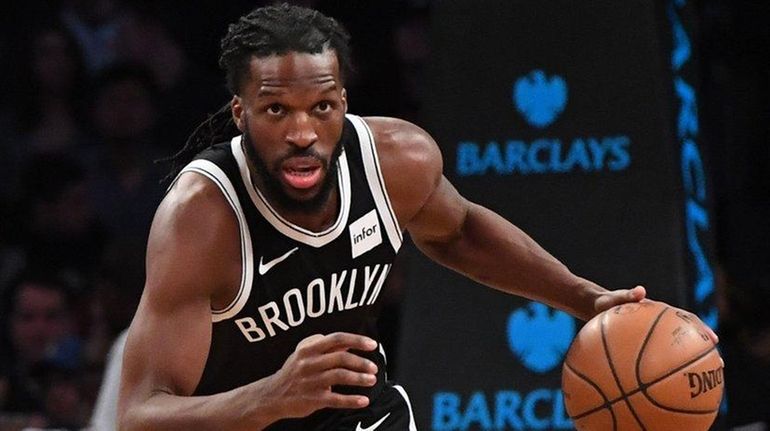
column 643, row 366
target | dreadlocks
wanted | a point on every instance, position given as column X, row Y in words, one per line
column 266, row 31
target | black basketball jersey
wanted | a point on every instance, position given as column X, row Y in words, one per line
column 294, row 282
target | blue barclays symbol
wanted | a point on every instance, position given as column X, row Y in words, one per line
column 693, row 173
column 540, row 336
column 540, row 99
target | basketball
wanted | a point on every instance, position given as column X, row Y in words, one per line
column 643, row 366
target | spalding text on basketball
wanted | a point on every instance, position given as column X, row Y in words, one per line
column 702, row 382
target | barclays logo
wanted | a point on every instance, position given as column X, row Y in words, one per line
column 540, row 99
column 697, row 217
column 540, row 409
column 540, row 336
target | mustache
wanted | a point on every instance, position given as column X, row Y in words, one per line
column 302, row 152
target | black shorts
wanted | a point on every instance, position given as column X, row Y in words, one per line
column 391, row 410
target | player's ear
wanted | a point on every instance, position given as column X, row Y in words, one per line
column 236, row 108
column 344, row 96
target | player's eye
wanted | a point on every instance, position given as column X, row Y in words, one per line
column 275, row 109
column 324, row 106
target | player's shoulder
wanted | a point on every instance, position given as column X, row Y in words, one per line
column 191, row 190
column 193, row 240
column 410, row 161
column 405, row 144
column 194, row 202
column 401, row 135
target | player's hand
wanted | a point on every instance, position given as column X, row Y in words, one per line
column 639, row 293
column 611, row 298
column 304, row 383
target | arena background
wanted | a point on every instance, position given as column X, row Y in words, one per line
column 643, row 159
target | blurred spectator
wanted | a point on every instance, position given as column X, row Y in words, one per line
column 118, row 284
column 126, row 186
column 38, row 335
column 52, row 80
column 56, row 227
column 48, row 102
column 96, row 25
column 120, row 280
column 64, row 403
column 187, row 94
column 143, row 40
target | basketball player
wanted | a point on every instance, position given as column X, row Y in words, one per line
column 268, row 254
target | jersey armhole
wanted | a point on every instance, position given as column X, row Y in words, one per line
column 376, row 181
column 214, row 173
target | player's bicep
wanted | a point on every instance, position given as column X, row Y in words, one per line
column 440, row 220
column 166, row 348
column 188, row 259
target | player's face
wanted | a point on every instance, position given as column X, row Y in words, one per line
column 291, row 111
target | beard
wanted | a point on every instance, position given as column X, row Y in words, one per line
column 274, row 188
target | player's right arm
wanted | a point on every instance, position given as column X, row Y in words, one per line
column 193, row 262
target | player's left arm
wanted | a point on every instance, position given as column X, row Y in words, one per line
column 471, row 239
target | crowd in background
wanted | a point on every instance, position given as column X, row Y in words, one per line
column 94, row 91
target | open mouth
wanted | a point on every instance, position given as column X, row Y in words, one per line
column 302, row 172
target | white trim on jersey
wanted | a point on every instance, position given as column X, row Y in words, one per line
column 297, row 233
column 376, row 181
column 381, row 349
column 400, row 389
column 218, row 177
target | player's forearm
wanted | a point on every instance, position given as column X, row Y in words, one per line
column 238, row 409
column 492, row 251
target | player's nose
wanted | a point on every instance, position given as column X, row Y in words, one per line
column 301, row 132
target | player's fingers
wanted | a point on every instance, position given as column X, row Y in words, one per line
column 637, row 294
column 319, row 343
column 345, row 341
column 347, row 360
column 309, row 341
column 341, row 376
column 340, row 401
column 620, row 296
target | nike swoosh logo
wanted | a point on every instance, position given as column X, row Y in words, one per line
column 264, row 267
column 374, row 426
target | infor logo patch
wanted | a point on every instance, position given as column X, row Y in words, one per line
column 365, row 234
